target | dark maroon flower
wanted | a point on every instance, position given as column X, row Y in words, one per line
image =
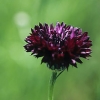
column 59, row 46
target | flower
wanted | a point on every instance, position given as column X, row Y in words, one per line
column 59, row 46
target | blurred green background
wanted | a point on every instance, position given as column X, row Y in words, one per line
column 22, row 77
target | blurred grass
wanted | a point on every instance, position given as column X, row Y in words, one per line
column 21, row 75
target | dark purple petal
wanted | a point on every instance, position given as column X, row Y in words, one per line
column 59, row 46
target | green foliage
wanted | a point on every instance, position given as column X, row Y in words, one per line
column 22, row 77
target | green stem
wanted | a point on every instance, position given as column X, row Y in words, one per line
column 52, row 81
column 59, row 74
